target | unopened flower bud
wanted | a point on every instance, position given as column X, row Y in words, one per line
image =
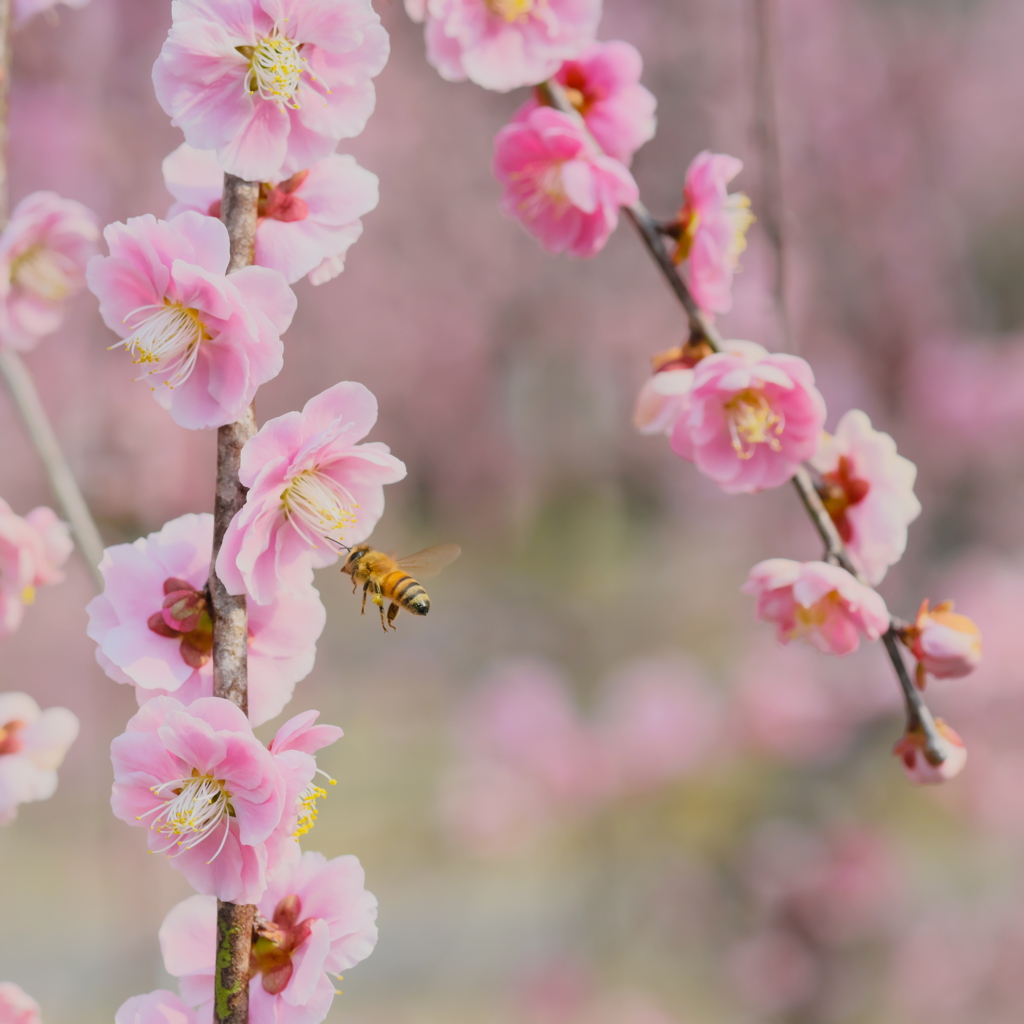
column 946, row 644
column 917, row 763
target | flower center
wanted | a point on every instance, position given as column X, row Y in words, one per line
column 276, row 65
column 167, row 335
column 194, row 810
column 737, row 212
column 43, row 272
column 513, row 10
column 185, row 615
column 10, row 741
column 318, row 507
column 276, row 940
column 841, row 489
column 810, row 620
column 752, row 421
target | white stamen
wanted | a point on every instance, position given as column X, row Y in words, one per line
column 275, row 68
column 318, row 507
column 307, row 804
column 200, row 803
column 168, row 335
column 50, row 275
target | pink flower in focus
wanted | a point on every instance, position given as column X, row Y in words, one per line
column 210, row 340
column 271, row 85
column 43, row 252
column 153, row 629
column 946, row 644
column 603, row 84
column 315, row 919
column 818, row 603
column 311, row 487
column 504, row 44
column 911, row 752
column 32, row 746
column 659, row 722
column 869, row 493
column 712, row 229
column 306, row 223
column 17, row 1006
column 752, row 418
column 32, row 550
column 160, row 1007
column 206, row 790
column 563, row 192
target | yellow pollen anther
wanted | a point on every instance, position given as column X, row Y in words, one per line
column 275, row 69
column 318, row 507
column 514, row 10
column 166, row 335
column 752, row 421
column 28, row 595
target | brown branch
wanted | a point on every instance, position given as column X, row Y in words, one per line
column 230, row 622
column 918, row 715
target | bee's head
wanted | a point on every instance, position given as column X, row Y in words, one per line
column 354, row 555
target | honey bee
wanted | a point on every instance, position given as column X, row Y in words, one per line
column 384, row 576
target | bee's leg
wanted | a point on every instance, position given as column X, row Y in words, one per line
column 355, row 583
column 393, row 614
column 362, row 607
column 383, row 624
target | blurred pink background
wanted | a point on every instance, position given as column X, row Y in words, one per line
column 783, row 870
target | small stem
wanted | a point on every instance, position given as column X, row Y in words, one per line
column 239, row 208
column 702, row 328
column 62, row 480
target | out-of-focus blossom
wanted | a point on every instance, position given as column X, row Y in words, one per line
column 821, row 604
column 752, row 417
column 32, row 746
column 159, row 1007
column 206, row 790
column 206, row 341
column 306, row 223
column 504, row 44
column 270, row 85
column 564, row 192
column 32, row 550
column 869, row 493
column 316, row 919
column 773, row 971
column 153, row 629
column 946, row 644
column 603, row 84
column 711, row 229
column 311, row 487
column 17, row 1006
column 25, row 9
column 658, row 722
column 662, row 400
column 44, row 248
column 911, row 752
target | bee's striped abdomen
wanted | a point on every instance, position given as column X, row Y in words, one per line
column 401, row 588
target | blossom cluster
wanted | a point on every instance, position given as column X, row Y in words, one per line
column 749, row 419
column 263, row 90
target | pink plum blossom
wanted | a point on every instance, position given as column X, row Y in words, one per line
column 211, row 795
column 312, row 487
column 946, row 644
column 153, row 630
column 821, row 604
column 270, row 85
column 563, row 191
column 712, row 229
column 603, row 84
column 752, row 417
column 504, row 44
column 306, row 222
column 315, row 919
column 17, row 1006
column 44, row 248
column 159, row 1007
column 662, row 400
column 32, row 746
column 208, row 340
column 869, row 493
column 32, row 550
column 911, row 752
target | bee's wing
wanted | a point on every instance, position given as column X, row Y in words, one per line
column 430, row 561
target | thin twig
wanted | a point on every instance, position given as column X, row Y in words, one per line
column 701, row 328
column 62, row 480
column 230, row 622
